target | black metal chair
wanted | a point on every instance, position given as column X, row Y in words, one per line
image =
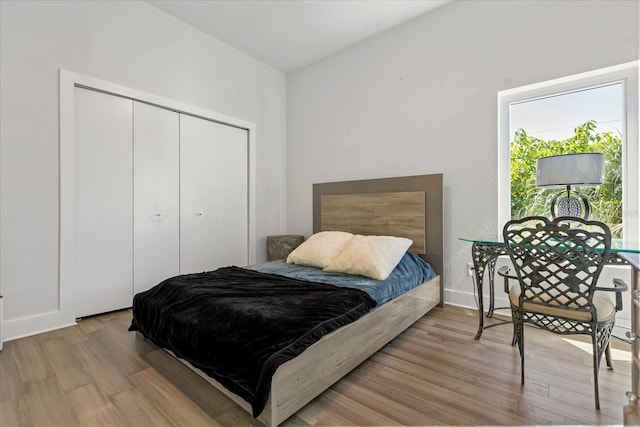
column 557, row 264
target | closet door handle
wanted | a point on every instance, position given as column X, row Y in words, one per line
column 159, row 215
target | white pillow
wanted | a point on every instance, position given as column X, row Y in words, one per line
column 370, row 256
column 320, row 249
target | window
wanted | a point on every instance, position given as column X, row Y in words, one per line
column 584, row 121
column 590, row 112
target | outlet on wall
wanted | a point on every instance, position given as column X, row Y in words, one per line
column 470, row 269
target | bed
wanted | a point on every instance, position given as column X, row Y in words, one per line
column 408, row 207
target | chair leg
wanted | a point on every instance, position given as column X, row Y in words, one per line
column 514, row 339
column 596, row 359
column 520, row 340
column 607, row 355
column 514, row 320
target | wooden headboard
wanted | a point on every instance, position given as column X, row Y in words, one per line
column 408, row 206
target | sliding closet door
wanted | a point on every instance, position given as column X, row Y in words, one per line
column 156, row 202
column 213, row 195
column 103, row 202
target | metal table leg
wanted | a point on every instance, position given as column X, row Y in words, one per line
column 484, row 258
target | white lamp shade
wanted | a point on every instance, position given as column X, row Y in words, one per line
column 570, row 169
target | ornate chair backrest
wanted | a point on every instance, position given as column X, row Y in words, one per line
column 557, row 262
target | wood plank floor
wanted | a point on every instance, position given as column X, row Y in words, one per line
column 98, row 374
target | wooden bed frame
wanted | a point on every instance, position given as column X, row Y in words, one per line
column 380, row 209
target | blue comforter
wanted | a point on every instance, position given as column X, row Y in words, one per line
column 410, row 272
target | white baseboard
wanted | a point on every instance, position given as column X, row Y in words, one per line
column 468, row 300
column 33, row 325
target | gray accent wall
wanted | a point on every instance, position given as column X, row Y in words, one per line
column 422, row 98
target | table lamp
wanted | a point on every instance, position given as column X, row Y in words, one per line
column 570, row 170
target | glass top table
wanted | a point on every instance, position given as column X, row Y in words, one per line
column 488, row 247
column 617, row 245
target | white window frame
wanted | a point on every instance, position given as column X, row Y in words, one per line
column 627, row 75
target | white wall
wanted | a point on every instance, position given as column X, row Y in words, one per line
column 422, row 98
column 132, row 44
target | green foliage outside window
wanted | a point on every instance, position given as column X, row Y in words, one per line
column 605, row 200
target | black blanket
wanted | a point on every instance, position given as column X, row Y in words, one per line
column 239, row 325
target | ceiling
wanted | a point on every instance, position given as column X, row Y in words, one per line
column 289, row 34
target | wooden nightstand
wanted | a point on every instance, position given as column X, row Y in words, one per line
column 279, row 247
